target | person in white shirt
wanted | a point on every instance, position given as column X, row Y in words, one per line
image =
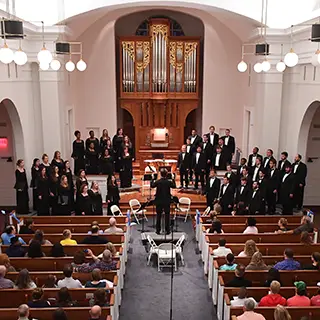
column 221, row 251
column 251, row 226
column 113, row 227
column 248, row 311
column 238, row 301
column 68, row 281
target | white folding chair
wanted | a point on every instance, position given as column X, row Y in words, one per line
column 179, row 248
column 134, row 207
column 184, row 207
column 153, row 248
column 206, row 212
column 115, row 209
column 167, row 255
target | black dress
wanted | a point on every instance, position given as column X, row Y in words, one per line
column 92, row 162
column 43, row 191
column 48, row 168
column 35, row 172
column 54, row 186
column 96, row 202
column 117, row 142
column 78, row 153
column 103, row 144
column 106, row 165
column 59, row 164
column 69, row 176
column 84, row 204
column 80, row 183
column 126, row 172
column 22, row 195
column 65, row 195
column 95, row 142
column 113, row 196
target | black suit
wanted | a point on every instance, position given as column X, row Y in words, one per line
column 199, row 168
column 243, row 196
column 191, row 151
column 212, row 192
column 273, row 189
column 196, row 142
column 286, row 188
column 263, row 184
column 222, row 161
column 162, row 201
column 214, row 140
column 208, row 152
column 250, row 166
column 230, row 148
column 255, row 173
column 226, row 199
column 255, row 202
column 266, row 165
column 232, row 177
column 281, row 167
column 184, row 167
column 300, row 179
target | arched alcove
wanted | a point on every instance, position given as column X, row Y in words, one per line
column 191, row 122
column 128, row 126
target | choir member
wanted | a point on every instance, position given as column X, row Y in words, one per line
column 84, row 202
column 231, row 175
column 54, row 182
column 110, row 148
column 65, row 195
column 21, row 187
column 190, row 151
column 283, row 162
column 106, row 163
column 252, row 159
column 219, row 160
column 212, row 136
column 287, row 187
column 68, row 173
column 263, row 184
column 255, row 200
column 230, row 145
column 212, row 188
column 45, row 163
column 243, row 193
column 113, row 195
column 43, row 193
column 103, row 140
column 208, row 152
column 299, row 170
column 243, row 163
column 256, row 169
column 226, row 196
column 268, row 157
column 96, row 199
column 245, row 174
column 195, row 139
column 127, row 143
column 117, row 143
column 78, row 152
column 35, row 172
column 81, row 180
column 94, row 140
column 272, row 187
column 126, row 169
column 183, row 165
column 199, row 167
column 58, row 162
column 92, row 159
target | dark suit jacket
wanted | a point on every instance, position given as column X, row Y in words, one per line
column 222, row 162
column 227, row 198
column 201, row 162
column 163, row 194
column 244, row 196
column 192, row 149
column 249, row 180
column 286, row 162
column 239, row 170
column 267, row 167
column 215, row 139
column 263, row 184
column 197, row 142
column 274, row 181
column 255, row 203
column 301, row 173
column 287, row 188
column 231, row 147
column 213, row 192
column 233, row 178
column 250, row 159
column 208, row 151
column 257, row 175
column 183, row 165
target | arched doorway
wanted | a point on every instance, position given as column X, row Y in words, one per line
column 128, row 127
column 191, row 121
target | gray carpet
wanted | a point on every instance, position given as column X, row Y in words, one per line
column 146, row 294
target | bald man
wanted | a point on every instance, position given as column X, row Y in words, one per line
column 4, row 283
column 23, row 312
column 95, row 313
column 113, row 227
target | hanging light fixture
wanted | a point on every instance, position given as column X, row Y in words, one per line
column 20, row 57
column 55, row 64
column 70, row 66
column 44, row 66
column 44, row 55
column 6, row 54
column 291, row 59
column 81, row 65
column 257, row 67
column 266, row 66
column 242, row 66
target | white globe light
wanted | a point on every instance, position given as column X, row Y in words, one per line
column 70, row 66
column 265, row 65
column 44, row 55
column 242, row 66
column 6, row 54
column 81, row 65
column 281, row 66
column 44, row 66
column 291, row 58
column 257, row 67
column 315, row 60
column 20, row 57
column 55, row 64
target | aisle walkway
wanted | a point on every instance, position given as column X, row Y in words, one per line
column 146, row 295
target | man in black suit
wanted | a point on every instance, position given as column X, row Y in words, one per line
column 230, row 145
column 245, row 174
column 190, row 150
column 199, row 167
column 283, row 162
column 272, row 186
column 255, row 199
column 243, row 163
column 212, row 188
column 256, row 169
column 218, row 160
column 243, row 193
column 226, row 196
column 208, row 152
column 212, row 136
column 231, row 175
column 163, row 199
column 266, row 167
column 195, row 139
column 263, row 182
column 252, row 158
column 299, row 170
column 184, row 166
column 287, row 186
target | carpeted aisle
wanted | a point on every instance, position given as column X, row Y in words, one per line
column 146, row 295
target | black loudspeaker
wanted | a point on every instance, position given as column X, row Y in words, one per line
column 315, row 33
column 262, row 49
column 62, row 47
column 11, row 29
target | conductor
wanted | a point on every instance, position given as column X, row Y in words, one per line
column 163, row 199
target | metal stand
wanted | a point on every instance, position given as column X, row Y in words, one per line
column 172, row 266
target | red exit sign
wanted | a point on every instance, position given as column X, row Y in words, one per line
column 3, row 143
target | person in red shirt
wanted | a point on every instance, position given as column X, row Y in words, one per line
column 274, row 298
column 315, row 300
column 300, row 299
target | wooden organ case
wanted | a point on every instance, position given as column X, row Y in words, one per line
column 159, row 86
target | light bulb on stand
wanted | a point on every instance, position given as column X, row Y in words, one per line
column 257, row 67
column 6, row 54
column 281, row 66
column 291, row 59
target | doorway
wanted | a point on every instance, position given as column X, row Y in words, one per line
column 128, row 126
column 190, row 124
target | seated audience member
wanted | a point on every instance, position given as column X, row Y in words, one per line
column 110, row 246
column 238, row 301
column 257, row 262
column 39, row 236
column 230, row 264
column 300, row 299
column 273, row 275
column 105, row 264
column 94, row 237
column 221, row 251
column 217, row 209
column 239, row 280
column 15, row 249
column 315, row 258
column 5, row 261
column 35, row 250
column 79, row 259
column 99, row 298
column 305, row 238
column 50, row 282
column 95, row 313
column 5, row 283
column 23, row 312
column 97, row 281
column 59, row 314
column 315, row 300
column 9, row 232
column 281, row 313
column 26, row 228
column 305, row 225
column 113, row 227
column 57, row 251
column 250, row 248
column 251, row 226
column 68, row 281
column 37, row 299
column 95, row 223
column 216, row 227
column 64, row 298
column 24, row 281
column 67, row 241
column 240, row 209
column 288, row 263
column 248, row 311
column 282, row 226
column 273, row 298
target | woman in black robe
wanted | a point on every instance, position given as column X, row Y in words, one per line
column 84, row 202
column 92, row 160
column 94, row 140
column 58, row 162
column 81, row 180
column 96, row 199
column 35, row 172
column 117, row 142
column 126, row 169
column 54, row 182
column 43, row 193
column 45, row 163
column 103, row 140
column 113, row 195
column 68, row 173
column 65, row 194
column 106, row 163
column 127, row 143
column 21, row 187
column 78, row 153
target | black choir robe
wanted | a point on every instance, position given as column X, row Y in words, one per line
column 96, row 202
column 195, row 141
column 273, row 189
column 22, row 195
column 43, row 190
column 78, row 154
